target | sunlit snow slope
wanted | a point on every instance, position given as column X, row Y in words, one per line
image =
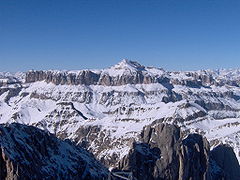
column 106, row 109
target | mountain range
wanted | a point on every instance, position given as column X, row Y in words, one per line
column 105, row 111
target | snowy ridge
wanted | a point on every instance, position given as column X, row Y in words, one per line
column 107, row 109
column 30, row 153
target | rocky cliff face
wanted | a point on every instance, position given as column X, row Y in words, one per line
column 83, row 77
column 30, row 153
column 88, row 77
column 226, row 160
column 130, row 73
column 194, row 158
column 105, row 110
column 163, row 153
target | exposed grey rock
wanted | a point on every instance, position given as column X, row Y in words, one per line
column 12, row 92
column 30, row 153
column 98, row 95
column 166, row 138
column 65, row 113
column 194, row 158
column 163, row 154
column 157, row 156
column 86, row 136
column 85, row 77
column 105, row 80
column 141, row 161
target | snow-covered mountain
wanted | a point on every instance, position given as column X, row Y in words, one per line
column 29, row 153
column 105, row 110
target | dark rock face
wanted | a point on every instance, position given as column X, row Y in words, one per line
column 201, row 98
column 166, row 138
column 85, row 77
column 88, row 77
column 137, row 75
column 164, row 154
column 193, row 158
column 11, row 92
column 225, row 159
column 29, row 153
column 141, row 161
column 160, row 154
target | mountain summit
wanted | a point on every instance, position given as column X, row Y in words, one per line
column 127, row 64
column 107, row 109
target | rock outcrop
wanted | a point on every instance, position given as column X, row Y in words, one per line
column 30, row 153
column 85, row 77
column 194, row 158
column 105, row 110
column 163, row 153
column 166, row 139
column 227, row 164
column 131, row 73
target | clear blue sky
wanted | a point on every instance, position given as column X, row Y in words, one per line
column 77, row 34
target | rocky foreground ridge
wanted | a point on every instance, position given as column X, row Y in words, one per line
column 30, row 153
column 105, row 110
column 162, row 153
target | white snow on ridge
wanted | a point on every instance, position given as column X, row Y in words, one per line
column 124, row 110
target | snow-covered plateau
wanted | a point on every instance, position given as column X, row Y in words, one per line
column 105, row 110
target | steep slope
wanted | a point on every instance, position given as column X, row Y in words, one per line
column 30, row 153
column 106, row 109
column 163, row 153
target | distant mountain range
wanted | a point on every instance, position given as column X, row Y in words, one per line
column 105, row 111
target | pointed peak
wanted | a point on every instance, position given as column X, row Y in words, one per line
column 126, row 61
column 127, row 64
